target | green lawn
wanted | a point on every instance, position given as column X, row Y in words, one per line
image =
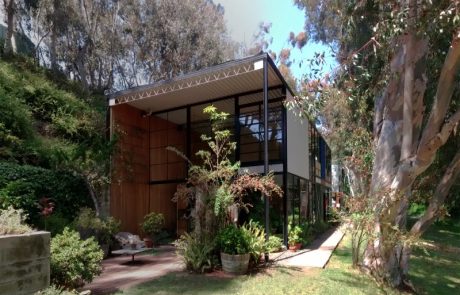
column 438, row 272
column 432, row 272
column 339, row 276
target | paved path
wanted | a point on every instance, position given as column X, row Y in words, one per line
column 120, row 273
column 316, row 255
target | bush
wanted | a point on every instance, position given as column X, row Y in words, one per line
column 255, row 235
column 294, row 234
column 153, row 223
column 89, row 225
column 12, row 222
column 55, row 223
column 22, row 186
column 233, row 240
column 307, row 234
column 54, row 290
column 320, row 227
column 196, row 253
column 74, row 261
column 273, row 244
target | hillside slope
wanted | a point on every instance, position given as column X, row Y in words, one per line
column 49, row 130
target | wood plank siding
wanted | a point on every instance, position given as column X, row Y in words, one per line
column 142, row 158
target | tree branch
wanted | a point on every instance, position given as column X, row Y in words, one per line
column 439, row 197
column 440, row 138
column 445, row 89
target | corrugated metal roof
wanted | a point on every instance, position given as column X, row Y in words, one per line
column 227, row 79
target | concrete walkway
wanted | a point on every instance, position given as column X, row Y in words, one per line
column 316, row 255
column 121, row 273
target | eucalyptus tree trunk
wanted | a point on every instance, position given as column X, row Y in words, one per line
column 404, row 150
column 10, row 43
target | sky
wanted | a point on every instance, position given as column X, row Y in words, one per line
column 244, row 16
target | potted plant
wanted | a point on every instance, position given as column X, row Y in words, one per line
column 234, row 250
column 295, row 238
column 152, row 225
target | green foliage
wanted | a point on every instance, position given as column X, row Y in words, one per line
column 55, row 223
column 74, row 261
column 416, row 209
column 308, row 232
column 274, row 244
column 22, row 186
column 196, row 252
column 49, row 122
column 89, row 225
column 294, row 234
column 233, row 240
column 54, row 290
column 255, row 235
column 12, row 222
column 153, row 223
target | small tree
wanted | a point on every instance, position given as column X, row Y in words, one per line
column 215, row 188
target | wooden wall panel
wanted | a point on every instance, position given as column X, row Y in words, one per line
column 129, row 199
column 165, row 166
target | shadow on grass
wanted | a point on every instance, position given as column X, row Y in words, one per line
column 434, row 272
column 183, row 283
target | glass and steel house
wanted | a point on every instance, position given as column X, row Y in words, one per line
column 269, row 137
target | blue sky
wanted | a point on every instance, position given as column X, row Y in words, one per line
column 243, row 18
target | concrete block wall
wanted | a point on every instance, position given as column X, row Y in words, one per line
column 24, row 263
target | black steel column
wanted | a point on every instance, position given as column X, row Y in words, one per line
column 267, row 205
column 237, row 128
column 285, row 191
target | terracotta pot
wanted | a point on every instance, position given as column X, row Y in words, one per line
column 235, row 264
column 295, row 247
column 148, row 242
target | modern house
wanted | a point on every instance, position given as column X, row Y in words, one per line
column 170, row 113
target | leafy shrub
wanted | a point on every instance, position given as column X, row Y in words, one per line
column 89, row 225
column 12, row 222
column 307, row 234
column 416, row 209
column 255, row 236
column 54, row 290
column 320, row 227
column 196, row 253
column 20, row 194
column 233, row 240
column 22, row 186
column 294, row 234
column 55, row 223
column 153, row 223
column 273, row 244
column 74, row 261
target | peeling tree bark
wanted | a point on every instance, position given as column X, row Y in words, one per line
column 404, row 151
column 10, row 9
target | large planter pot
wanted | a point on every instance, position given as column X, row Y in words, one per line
column 235, row 264
column 24, row 263
column 296, row 247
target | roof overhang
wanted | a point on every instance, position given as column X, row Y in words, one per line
column 223, row 80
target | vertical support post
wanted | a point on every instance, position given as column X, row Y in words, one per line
column 285, row 191
column 265, row 96
column 237, row 128
column 188, row 136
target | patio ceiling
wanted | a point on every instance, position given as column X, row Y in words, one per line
column 227, row 79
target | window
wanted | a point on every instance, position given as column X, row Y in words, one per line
column 251, row 121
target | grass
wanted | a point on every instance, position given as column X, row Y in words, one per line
column 432, row 272
column 437, row 272
column 277, row 280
